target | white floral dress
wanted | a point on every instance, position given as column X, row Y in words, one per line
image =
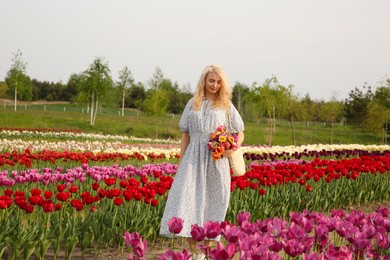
column 201, row 188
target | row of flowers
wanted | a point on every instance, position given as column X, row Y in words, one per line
column 301, row 177
column 20, row 145
column 20, row 133
column 41, row 129
column 103, row 201
column 119, row 201
column 311, row 235
column 28, row 158
column 266, row 173
column 102, row 143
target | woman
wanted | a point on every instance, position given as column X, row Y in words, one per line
column 201, row 189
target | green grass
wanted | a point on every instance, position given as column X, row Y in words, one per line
column 141, row 125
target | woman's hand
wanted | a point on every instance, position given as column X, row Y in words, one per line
column 227, row 152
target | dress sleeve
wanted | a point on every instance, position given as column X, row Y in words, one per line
column 184, row 123
column 236, row 120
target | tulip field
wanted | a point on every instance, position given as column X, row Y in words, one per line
column 66, row 190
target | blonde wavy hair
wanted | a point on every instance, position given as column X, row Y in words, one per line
column 223, row 96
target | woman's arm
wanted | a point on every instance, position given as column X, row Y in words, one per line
column 185, row 140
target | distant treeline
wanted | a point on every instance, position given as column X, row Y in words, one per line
column 365, row 106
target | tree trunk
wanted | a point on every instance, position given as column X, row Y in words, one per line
column 331, row 132
column 92, row 106
column 16, row 96
column 270, row 131
column 123, row 103
column 96, row 109
column 292, row 130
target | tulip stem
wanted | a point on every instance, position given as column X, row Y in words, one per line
column 173, row 242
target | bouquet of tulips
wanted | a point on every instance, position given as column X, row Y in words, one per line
column 220, row 140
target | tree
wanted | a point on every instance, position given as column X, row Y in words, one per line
column 157, row 97
column 271, row 100
column 17, row 79
column 96, row 81
column 124, row 84
column 379, row 111
column 239, row 91
column 356, row 106
column 330, row 111
column 378, row 116
column 3, row 89
column 136, row 95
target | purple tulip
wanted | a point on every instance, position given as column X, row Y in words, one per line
column 140, row 249
column 175, row 225
column 231, row 233
column 321, row 234
column 222, row 252
column 338, row 213
column 307, row 224
column 382, row 240
column 343, row 227
column 334, row 252
column 276, row 228
column 212, row 229
column 275, row 245
column 130, row 237
column 295, row 232
column 383, row 211
column 197, row 233
column 293, row 247
column 248, row 227
column 242, row 216
column 369, row 230
column 313, row 256
column 172, row 255
column 359, row 242
column 246, row 242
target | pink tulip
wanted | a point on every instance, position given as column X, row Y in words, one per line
column 175, row 225
column 293, row 247
column 172, row 255
column 231, row 233
column 276, row 228
column 313, row 256
column 382, row 240
column 334, row 252
column 243, row 216
column 295, row 232
column 197, row 233
column 212, row 229
column 132, row 239
column 140, row 249
column 222, row 252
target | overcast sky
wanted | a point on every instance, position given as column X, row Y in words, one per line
column 323, row 48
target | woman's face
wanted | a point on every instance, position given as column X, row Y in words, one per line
column 213, row 84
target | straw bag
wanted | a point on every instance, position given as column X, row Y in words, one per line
column 236, row 159
column 237, row 163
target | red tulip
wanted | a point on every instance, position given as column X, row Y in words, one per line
column 48, row 194
column 63, row 196
column 35, row 192
column 118, row 201
column 61, row 187
column 95, row 186
column 154, row 202
column 73, row 189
